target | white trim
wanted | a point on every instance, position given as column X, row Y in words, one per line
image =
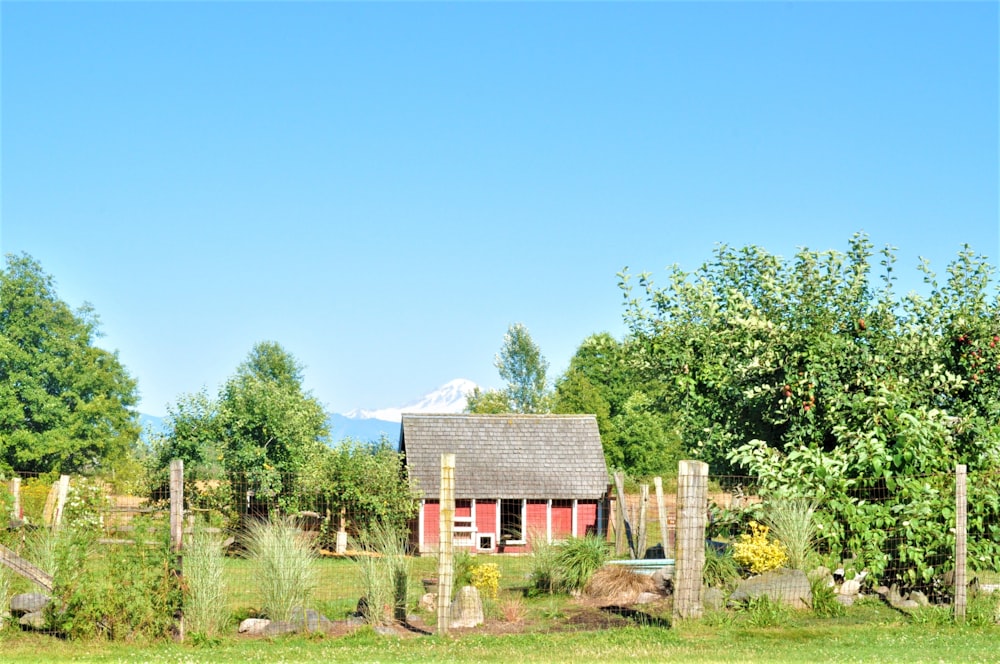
column 420, row 526
column 575, row 518
column 497, row 530
column 548, row 521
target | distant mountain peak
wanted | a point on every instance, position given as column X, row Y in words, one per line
column 449, row 398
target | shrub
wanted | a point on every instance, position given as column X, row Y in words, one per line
column 385, row 570
column 542, row 577
column 485, row 577
column 720, row 570
column 579, row 557
column 757, row 551
column 205, row 606
column 824, row 598
column 283, row 562
column 793, row 524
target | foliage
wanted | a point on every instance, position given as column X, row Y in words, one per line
column 762, row 611
column 119, row 592
column 485, row 577
column 543, row 572
column 566, row 566
column 367, row 481
column 284, row 566
column 523, row 368
column 34, row 493
column 824, row 598
column 192, row 435
column 66, row 405
column 86, row 503
column 793, row 524
column 385, row 569
column 205, row 608
column 757, row 552
column 720, row 569
column 821, row 381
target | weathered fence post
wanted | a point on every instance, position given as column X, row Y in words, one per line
column 961, row 542
column 692, row 501
column 15, row 490
column 177, row 527
column 621, row 524
column 62, row 492
column 661, row 512
column 446, row 569
column 640, row 547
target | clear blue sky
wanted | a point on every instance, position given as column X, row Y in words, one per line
column 383, row 188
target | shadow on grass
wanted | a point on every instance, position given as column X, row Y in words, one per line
column 638, row 617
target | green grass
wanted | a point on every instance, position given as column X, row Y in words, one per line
column 882, row 636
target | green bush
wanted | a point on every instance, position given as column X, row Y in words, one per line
column 566, row 566
column 720, row 569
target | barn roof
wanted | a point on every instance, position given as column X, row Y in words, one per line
column 507, row 456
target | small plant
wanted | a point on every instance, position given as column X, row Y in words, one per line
column 577, row 559
column 935, row 615
column 205, row 602
column 283, row 559
column 763, row 611
column 757, row 551
column 720, row 570
column 86, row 503
column 543, row 575
column 792, row 520
column 824, row 598
column 513, row 610
column 485, row 577
column 384, row 571
column 982, row 609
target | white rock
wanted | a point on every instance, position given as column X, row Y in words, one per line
column 254, row 626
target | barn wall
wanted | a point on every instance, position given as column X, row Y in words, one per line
column 586, row 517
column 562, row 519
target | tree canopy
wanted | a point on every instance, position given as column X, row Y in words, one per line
column 66, row 405
column 523, row 368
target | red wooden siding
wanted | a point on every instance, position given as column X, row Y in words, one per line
column 562, row 519
column 586, row 517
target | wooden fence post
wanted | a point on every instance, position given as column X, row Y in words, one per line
column 661, row 512
column 621, row 525
column 61, row 494
column 15, row 490
column 640, row 547
column 961, row 541
column 692, row 501
column 446, row 563
column 177, row 527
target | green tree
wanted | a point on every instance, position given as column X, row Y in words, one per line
column 823, row 383
column 522, row 366
column 65, row 404
column 192, row 434
column 268, row 425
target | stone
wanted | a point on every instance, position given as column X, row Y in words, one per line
column 279, row 627
column 647, row 597
column 467, row 608
column 850, row 588
column 790, row 586
column 663, row 578
column 429, row 602
column 33, row 620
column 28, row 603
column 253, row 626
column 845, row 600
column 920, row 598
column 712, row 599
column 310, row 620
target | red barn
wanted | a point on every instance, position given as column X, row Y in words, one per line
column 517, row 478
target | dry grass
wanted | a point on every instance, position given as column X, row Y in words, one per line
column 617, row 585
column 513, row 610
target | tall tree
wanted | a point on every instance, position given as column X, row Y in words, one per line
column 267, row 422
column 522, row 366
column 65, row 404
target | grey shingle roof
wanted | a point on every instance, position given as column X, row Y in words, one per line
column 507, row 456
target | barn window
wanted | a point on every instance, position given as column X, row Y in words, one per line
column 512, row 521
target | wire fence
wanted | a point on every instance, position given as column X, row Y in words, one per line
column 81, row 559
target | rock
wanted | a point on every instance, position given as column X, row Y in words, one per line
column 850, row 588
column 28, row 603
column 33, row 620
column 467, row 608
column 845, row 600
column 429, row 602
column 790, row 586
column 254, row 626
column 664, row 580
column 712, row 599
column 647, row 597
column 279, row 627
column 882, row 590
column 920, row 598
column 310, row 620
column 838, row 574
column 385, row 630
column 820, row 572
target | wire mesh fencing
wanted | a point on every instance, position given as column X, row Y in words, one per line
column 81, row 558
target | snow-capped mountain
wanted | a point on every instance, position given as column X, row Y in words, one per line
column 449, row 398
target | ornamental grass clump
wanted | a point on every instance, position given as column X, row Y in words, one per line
column 793, row 523
column 385, row 570
column 284, row 566
column 757, row 552
column 205, row 603
column 577, row 559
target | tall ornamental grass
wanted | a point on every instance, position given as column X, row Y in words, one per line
column 384, row 569
column 205, row 597
column 792, row 522
column 283, row 565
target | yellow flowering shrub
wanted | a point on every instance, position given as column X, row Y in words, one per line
column 757, row 551
column 486, row 579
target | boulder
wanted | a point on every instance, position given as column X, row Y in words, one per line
column 33, row 620
column 310, row 620
column 467, row 608
column 850, row 588
column 28, row 603
column 790, row 586
column 429, row 602
column 646, row 598
column 254, row 626
column 663, row 578
column 713, row 599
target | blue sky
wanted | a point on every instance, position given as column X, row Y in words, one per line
column 383, row 188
